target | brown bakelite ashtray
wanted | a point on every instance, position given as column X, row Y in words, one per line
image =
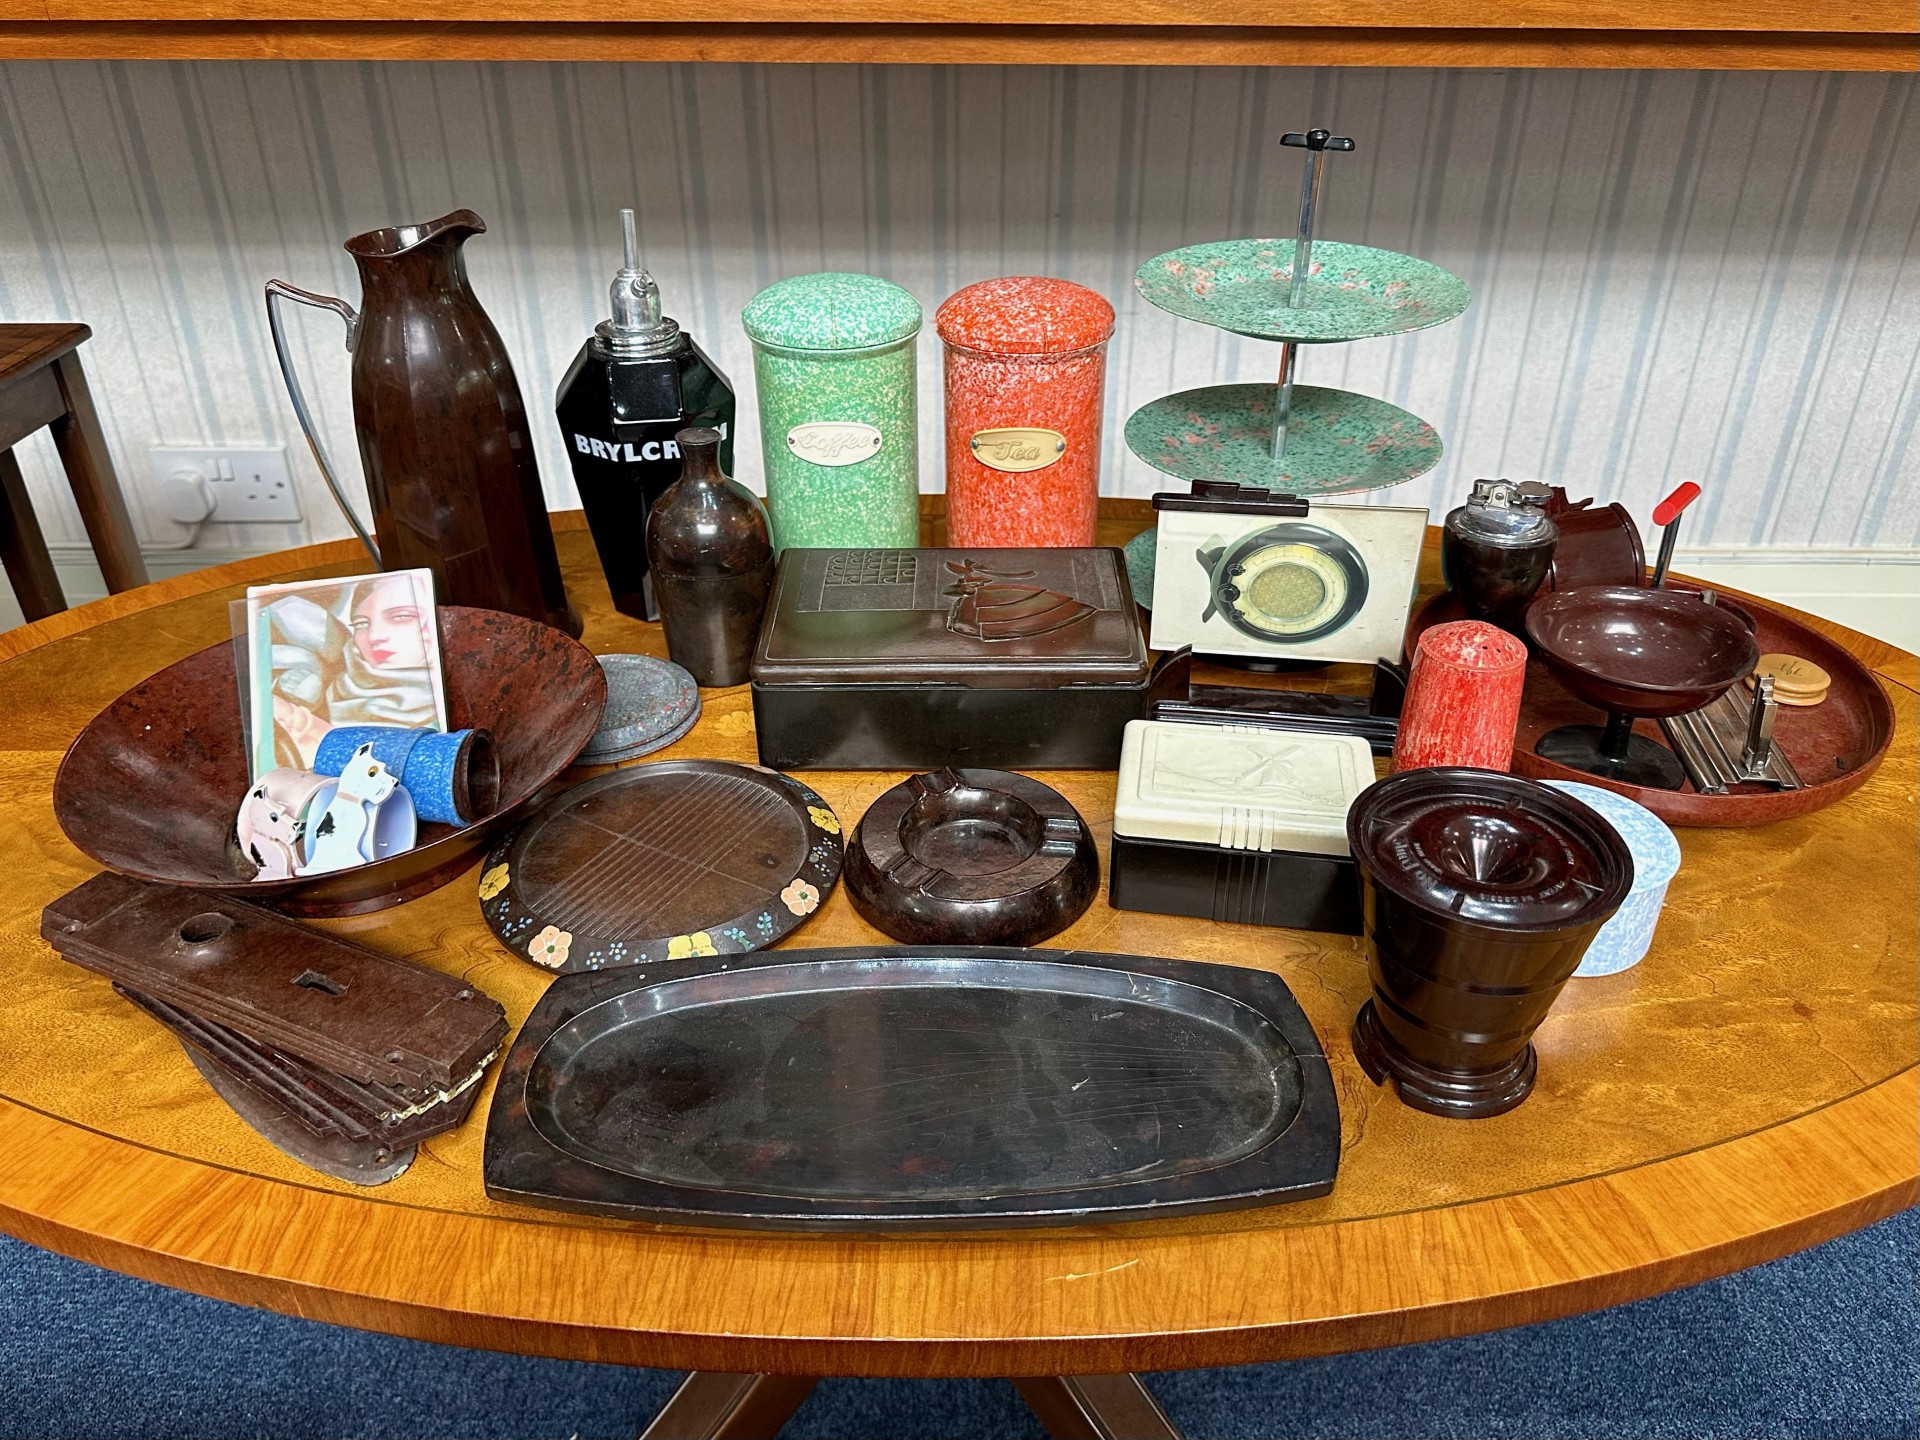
column 972, row 857
column 152, row 785
column 1635, row 653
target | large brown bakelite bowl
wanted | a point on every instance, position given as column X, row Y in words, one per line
column 1641, row 652
column 153, row 784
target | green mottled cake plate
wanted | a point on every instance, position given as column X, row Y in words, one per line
column 1352, row 292
column 1338, row 442
column 1140, row 556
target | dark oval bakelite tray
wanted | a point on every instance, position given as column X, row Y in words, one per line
column 913, row 1088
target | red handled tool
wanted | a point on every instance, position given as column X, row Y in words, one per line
column 1667, row 515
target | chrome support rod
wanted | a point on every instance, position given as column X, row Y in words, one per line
column 1316, row 143
column 1303, row 235
column 1283, row 400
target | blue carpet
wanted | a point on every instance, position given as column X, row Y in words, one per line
column 1821, row 1344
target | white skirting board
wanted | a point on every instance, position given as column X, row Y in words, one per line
column 1875, row 591
column 80, row 577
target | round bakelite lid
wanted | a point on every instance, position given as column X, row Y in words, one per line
column 833, row 310
column 1025, row 315
column 650, row 704
column 1489, row 848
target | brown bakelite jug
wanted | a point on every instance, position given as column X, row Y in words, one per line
column 443, row 433
column 712, row 563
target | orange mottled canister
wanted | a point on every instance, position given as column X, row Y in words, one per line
column 1026, row 378
column 1463, row 698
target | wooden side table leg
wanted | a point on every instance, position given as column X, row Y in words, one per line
column 713, row 1405
column 1096, row 1407
column 83, row 451
column 23, row 549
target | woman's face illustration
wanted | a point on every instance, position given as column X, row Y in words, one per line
column 386, row 626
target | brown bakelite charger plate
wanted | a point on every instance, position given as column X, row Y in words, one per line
column 1835, row 745
column 152, row 785
column 977, row 857
column 659, row 862
column 894, row 1088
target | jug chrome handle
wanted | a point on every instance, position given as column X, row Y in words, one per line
column 278, row 290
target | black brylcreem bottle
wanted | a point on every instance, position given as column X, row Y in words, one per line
column 635, row 384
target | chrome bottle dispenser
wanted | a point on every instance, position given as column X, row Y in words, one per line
column 637, row 381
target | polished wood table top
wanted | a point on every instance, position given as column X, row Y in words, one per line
column 1748, row 1089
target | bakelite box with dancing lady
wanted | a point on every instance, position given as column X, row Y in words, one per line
column 910, row 659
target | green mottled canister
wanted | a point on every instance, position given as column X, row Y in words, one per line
column 833, row 356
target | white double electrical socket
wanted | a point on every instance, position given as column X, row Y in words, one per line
column 246, row 487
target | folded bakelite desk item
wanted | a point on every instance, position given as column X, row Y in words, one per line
column 365, row 1134
column 327, row 1104
column 370, row 1017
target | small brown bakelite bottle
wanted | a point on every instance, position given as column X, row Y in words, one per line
column 712, row 562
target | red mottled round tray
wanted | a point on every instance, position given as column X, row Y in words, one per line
column 1834, row 745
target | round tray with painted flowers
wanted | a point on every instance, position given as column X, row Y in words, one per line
column 1352, row 292
column 662, row 861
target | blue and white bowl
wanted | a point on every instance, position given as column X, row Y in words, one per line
column 1656, row 859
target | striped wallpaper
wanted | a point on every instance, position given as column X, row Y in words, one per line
column 1704, row 276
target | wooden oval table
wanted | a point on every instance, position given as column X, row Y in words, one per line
column 1747, row 1090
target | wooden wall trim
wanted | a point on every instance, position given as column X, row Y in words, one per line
column 1891, row 46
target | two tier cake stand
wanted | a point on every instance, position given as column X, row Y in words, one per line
column 1288, row 438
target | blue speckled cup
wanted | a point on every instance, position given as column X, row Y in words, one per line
column 1625, row 938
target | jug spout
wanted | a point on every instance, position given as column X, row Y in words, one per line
column 394, row 240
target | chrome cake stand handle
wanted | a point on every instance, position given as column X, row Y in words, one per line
column 1316, row 143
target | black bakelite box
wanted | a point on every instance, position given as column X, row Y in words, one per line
column 913, row 659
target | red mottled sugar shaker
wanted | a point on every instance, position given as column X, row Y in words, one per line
column 1463, row 698
column 1026, row 375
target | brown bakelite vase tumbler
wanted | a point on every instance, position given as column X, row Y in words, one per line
column 1481, row 892
column 712, row 562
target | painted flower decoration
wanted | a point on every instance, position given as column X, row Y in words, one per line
column 801, row 898
column 684, row 947
column 550, row 947
column 824, row 818
column 493, row 882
